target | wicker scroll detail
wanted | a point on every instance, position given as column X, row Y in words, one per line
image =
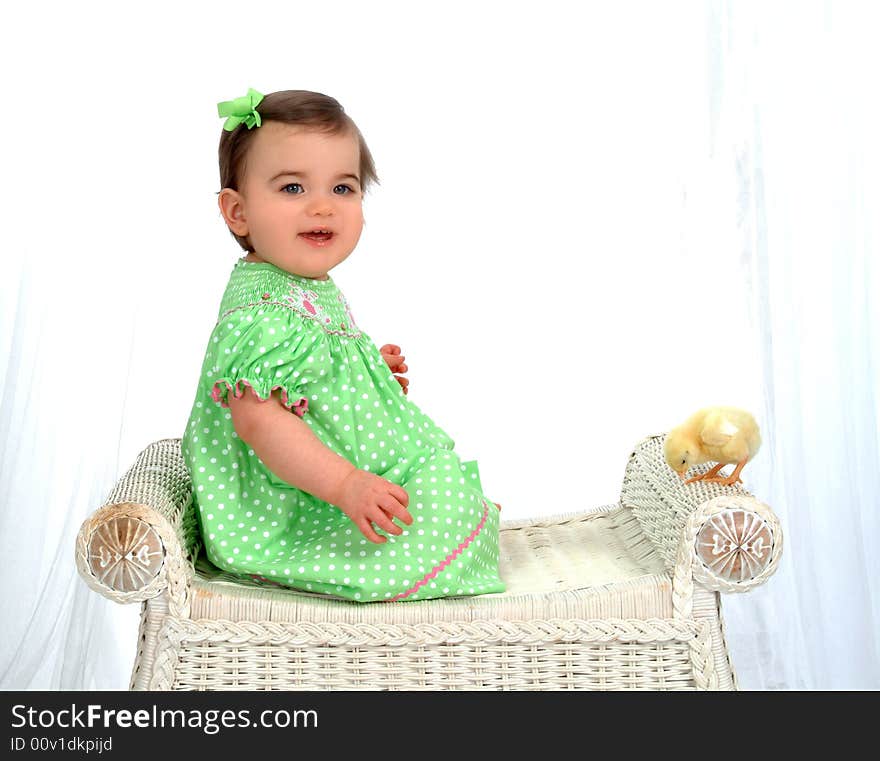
column 746, row 559
column 129, row 553
column 125, row 553
column 755, row 520
column 157, row 491
column 735, row 545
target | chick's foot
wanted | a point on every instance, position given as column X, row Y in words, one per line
column 732, row 478
column 708, row 476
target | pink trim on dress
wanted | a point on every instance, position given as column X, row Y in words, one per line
column 299, row 408
column 454, row 554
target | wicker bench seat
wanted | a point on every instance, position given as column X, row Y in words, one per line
column 624, row 596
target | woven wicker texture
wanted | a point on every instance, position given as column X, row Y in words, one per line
column 532, row 655
column 593, row 600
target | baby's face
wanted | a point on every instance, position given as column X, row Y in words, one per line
column 295, row 181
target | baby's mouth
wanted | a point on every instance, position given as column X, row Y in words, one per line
column 318, row 235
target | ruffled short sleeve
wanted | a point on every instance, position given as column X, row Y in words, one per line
column 264, row 349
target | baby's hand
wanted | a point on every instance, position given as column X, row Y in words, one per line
column 367, row 498
column 393, row 358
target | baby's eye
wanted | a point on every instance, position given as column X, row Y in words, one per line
column 291, row 185
column 345, row 186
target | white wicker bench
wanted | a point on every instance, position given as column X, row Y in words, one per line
column 624, row 596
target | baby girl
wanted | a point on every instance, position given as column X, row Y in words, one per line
column 302, row 443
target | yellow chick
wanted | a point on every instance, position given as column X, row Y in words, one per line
column 720, row 434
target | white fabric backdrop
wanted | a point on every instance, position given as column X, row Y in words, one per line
column 797, row 124
column 592, row 220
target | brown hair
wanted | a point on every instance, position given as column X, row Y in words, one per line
column 300, row 107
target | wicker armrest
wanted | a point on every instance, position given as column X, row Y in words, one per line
column 720, row 535
column 145, row 537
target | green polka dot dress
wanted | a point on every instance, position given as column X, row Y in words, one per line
column 276, row 330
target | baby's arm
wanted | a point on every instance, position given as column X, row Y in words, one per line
column 290, row 449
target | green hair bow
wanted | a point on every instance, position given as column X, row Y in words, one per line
column 243, row 109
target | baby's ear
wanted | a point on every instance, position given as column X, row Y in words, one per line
column 232, row 209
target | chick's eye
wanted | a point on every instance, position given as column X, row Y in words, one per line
column 292, row 185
